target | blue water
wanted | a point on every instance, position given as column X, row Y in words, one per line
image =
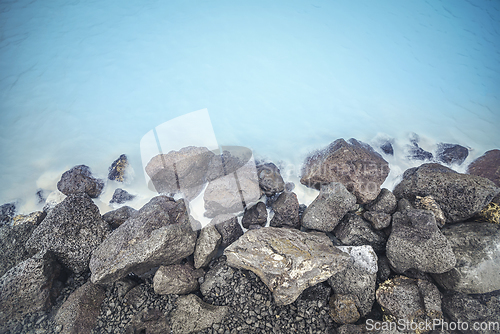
column 83, row 81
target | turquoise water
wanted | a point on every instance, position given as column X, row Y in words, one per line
column 83, row 81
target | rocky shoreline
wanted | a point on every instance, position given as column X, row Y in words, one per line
column 357, row 259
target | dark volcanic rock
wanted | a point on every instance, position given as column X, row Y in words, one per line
column 387, row 148
column 288, row 261
column 475, row 246
column 27, row 287
column 343, row 308
column 121, row 196
column 385, row 202
column 175, row 279
column 207, row 246
column 149, row 321
column 379, row 220
column 256, row 215
column 78, row 180
column 160, row 234
column 79, row 312
column 286, row 211
column 72, row 230
column 7, row 211
column 228, row 227
column 428, row 203
column 452, row 153
column 353, row 230
column 417, row 243
column 328, row 208
column 270, row 180
column 415, row 152
column 117, row 169
column 228, row 162
column 488, row 166
column 117, row 217
column 460, row 196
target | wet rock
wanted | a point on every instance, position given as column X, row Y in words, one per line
column 286, row 211
column 27, row 287
column 13, row 238
column 117, row 217
column 475, row 246
column 228, row 227
column 343, row 309
column 460, row 196
column 192, row 314
column 175, row 279
column 354, row 164
column 428, row 203
column 148, row 321
column 385, row 202
column 379, row 220
column 72, row 230
column 328, row 208
column 417, row 243
column 358, row 278
column 78, row 314
column 121, row 196
column 415, row 152
column 160, row 234
column 231, row 159
column 409, row 300
column 256, row 215
column 287, row 260
column 353, row 230
column 7, row 211
column 487, row 166
column 207, row 246
column 78, row 180
column 452, row 153
column 270, row 180
column 118, row 168
column 387, row 148
column 52, row 200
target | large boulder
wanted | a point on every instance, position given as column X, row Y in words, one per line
column 287, row 260
column 417, row 243
column 488, row 166
column 286, row 211
column 328, row 208
column 78, row 180
column 177, row 279
column 231, row 159
column 159, row 234
column 353, row 230
column 475, row 246
column 354, row 164
column 72, row 230
column 27, row 287
column 270, row 180
column 459, row 196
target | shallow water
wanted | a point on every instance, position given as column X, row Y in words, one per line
column 81, row 82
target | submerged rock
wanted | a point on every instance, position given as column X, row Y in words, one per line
column 78, row 180
column 354, row 164
column 415, row 152
column 286, row 211
column 488, row 166
column 287, row 260
column 121, row 196
column 118, row 168
column 270, row 180
column 452, row 153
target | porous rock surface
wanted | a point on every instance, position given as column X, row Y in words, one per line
column 175, row 279
column 287, row 260
column 79, row 179
column 270, row 180
column 353, row 230
column 207, row 246
column 286, row 211
column 488, row 166
column 228, row 227
column 256, row 215
column 121, row 196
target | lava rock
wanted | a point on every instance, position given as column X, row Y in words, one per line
column 286, row 211
column 218, row 277
column 387, row 148
column 121, row 196
column 328, row 208
column 7, row 211
column 415, row 152
column 385, row 202
column 256, row 215
column 73, row 229
column 78, row 180
column 192, row 314
column 475, row 246
column 228, row 162
column 117, row 217
column 228, row 227
column 207, row 246
column 175, row 279
column 428, row 203
column 288, row 261
column 487, row 166
column 379, row 220
column 417, row 243
column 343, row 309
column 452, row 153
column 354, row 164
column 160, row 234
column 78, row 314
column 460, row 196
column 118, row 168
column 353, row 230
column 148, row 321
column 384, row 269
column 270, row 180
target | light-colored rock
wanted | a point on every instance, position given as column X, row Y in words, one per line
column 175, row 279
column 207, row 246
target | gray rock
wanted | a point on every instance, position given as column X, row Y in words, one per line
column 385, row 202
column 256, row 215
column 475, row 246
column 270, row 180
column 452, row 153
column 13, row 238
column 218, row 276
column 231, row 159
column 228, row 227
column 121, row 196
column 7, row 211
column 328, row 208
column 286, row 211
column 387, row 148
column 343, row 308
column 175, row 279
column 78, row 180
column 118, row 168
column 353, row 230
column 460, row 196
column 417, row 243
column 192, row 315
column 150, row 321
column 358, row 278
column 428, row 203
column 160, row 234
column 406, row 299
column 379, row 220
column 123, row 286
column 27, row 287
column 287, row 260
column 354, row 164
column 415, row 152
column 384, row 269
column 207, row 246
column 487, row 166
column 78, row 314
column 117, row 217
column 72, row 230
column 136, row 297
